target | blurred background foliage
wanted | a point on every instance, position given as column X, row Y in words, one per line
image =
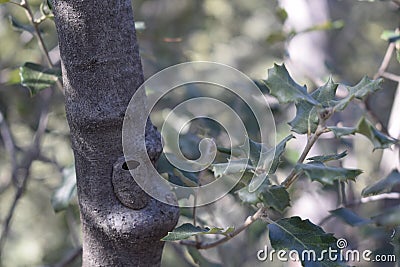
column 318, row 38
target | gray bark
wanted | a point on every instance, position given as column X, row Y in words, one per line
column 101, row 71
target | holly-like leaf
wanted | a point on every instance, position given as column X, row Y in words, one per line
column 378, row 139
column 330, row 157
column 187, row 230
column 349, row 217
column 279, row 150
column 273, row 196
column 256, row 150
column 365, row 87
column 342, row 131
column 306, row 120
column 284, row 88
column 64, row 194
column 384, row 185
column 37, row 77
column 326, row 175
column 300, row 235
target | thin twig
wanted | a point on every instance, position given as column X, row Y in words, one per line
column 23, row 170
column 249, row 221
column 386, row 60
column 294, row 174
column 10, row 146
column 390, row 76
column 38, row 35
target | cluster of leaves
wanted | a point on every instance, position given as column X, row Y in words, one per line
column 258, row 185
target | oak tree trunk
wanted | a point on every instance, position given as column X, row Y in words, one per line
column 101, row 71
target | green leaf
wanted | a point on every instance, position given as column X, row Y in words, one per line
column 256, row 150
column 187, row 230
column 378, row 139
column 330, row 157
column 342, row 131
column 200, row 259
column 37, row 77
column 281, row 14
column 18, row 26
column 276, row 37
column 64, row 194
column 276, row 197
column 326, row 175
column 384, row 185
column 279, row 150
column 389, row 217
column 306, row 120
column 284, row 88
column 269, row 158
column 297, row 234
column 365, row 87
column 273, row 196
column 46, row 10
column 232, row 167
column 390, row 36
column 4, row 1
column 349, row 217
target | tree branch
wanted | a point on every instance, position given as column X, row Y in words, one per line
column 293, row 175
column 249, row 221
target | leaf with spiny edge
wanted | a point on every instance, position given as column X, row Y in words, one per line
column 349, row 217
column 187, row 230
column 342, row 131
column 306, row 120
column 284, row 88
column 365, row 87
column 378, row 139
column 273, row 196
column 384, row 185
column 329, row 157
column 326, row 175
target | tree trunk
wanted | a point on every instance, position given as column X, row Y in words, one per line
column 101, row 71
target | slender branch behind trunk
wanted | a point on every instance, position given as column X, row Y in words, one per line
column 101, row 71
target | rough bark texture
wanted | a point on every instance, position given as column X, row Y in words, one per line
column 101, row 71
